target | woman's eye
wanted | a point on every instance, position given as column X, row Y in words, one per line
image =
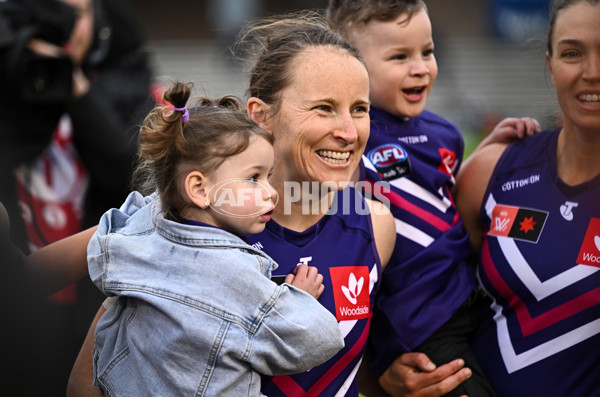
column 570, row 54
column 361, row 109
column 323, row 108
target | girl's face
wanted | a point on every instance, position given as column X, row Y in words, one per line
column 401, row 65
column 82, row 35
column 322, row 125
column 240, row 196
column 575, row 65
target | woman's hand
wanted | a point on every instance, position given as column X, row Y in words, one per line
column 81, row 84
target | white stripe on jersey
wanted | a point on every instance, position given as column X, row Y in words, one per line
column 515, row 362
column 441, row 202
column 348, row 382
column 412, row 233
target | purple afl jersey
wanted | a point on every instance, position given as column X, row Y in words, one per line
column 540, row 266
column 342, row 247
column 414, row 162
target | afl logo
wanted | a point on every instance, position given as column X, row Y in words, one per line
column 387, row 155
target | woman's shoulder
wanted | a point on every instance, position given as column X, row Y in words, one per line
column 534, row 149
column 472, row 183
column 477, row 170
column 384, row 229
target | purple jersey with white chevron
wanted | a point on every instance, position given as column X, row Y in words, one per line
column 428, row 277
column 342, row 247
column 540, row 265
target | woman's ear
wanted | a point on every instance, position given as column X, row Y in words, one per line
column 257, row 111
column 196, row 188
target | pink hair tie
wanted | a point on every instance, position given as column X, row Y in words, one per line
column 186, row 114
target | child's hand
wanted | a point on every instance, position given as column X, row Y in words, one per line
column 510, row 129
column 308, row 279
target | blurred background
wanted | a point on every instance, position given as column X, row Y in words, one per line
column 490, row 53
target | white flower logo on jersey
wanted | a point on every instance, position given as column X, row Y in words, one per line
column 596, row 240
column 353, row 289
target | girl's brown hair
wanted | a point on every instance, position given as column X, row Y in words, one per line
column 170, row 148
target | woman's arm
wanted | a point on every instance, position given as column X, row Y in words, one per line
column 82, row 375
column 384, row 230
column 54, row 266
column 62, row 262
column 471, row 184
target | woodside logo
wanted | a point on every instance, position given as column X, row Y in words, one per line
column 589, row 254
column 350, row 292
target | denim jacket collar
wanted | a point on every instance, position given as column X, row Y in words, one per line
column 188, row 234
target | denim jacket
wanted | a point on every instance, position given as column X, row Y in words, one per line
column 197, row 314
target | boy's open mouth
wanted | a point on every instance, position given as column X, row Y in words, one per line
column 414, row 91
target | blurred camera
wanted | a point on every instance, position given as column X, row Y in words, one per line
column 30, row 77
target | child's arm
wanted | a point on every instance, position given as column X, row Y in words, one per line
column 511, row 128
column 308, row 279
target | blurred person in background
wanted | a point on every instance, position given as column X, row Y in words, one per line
column 75, row 84
column 27, row 369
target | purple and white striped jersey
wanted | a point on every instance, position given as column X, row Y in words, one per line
column 540, row 265
column 342, row 247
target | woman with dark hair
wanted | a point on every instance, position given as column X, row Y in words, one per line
column 532, row 211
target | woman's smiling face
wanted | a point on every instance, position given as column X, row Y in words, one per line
column 322, row 125
column 575, row 64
